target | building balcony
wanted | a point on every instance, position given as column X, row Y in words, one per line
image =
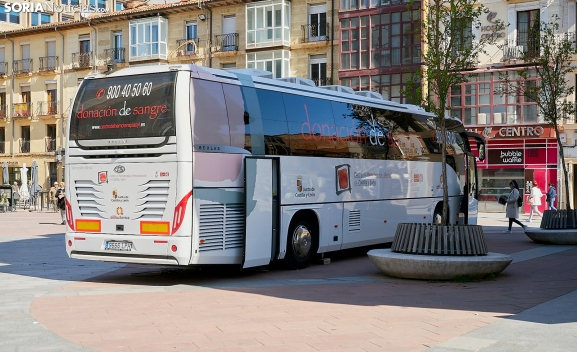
column 521, row 49
column 3, row 68
column 225, row 43
column 48, row 63
column 50, row 144
column 188, row 47
column 47, row 108
column 3, row 111
column 316, row 32
column 322, row 81
column 24, row 145
column 82, row 60
column 21, row 110
column 114, row 56
column 22, row 66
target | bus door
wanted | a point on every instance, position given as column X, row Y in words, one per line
column 471, row 194
column 261, row 210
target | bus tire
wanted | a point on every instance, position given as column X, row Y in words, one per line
column 302, row 242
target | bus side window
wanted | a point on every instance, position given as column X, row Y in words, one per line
column 236, row 114
column 274, row 124
column 210, row 121
column 311, row 125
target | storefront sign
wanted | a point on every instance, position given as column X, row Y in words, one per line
column 514, row 132
column 10, row 163
column 506, row 156
column 491, row 27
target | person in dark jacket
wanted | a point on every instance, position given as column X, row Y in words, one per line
column 551, row 195
column 61, row 199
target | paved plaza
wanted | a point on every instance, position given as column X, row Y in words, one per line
column 49, row 302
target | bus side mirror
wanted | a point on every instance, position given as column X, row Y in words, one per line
column 481, row 149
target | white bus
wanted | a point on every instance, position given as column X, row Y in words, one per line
column 185, row 165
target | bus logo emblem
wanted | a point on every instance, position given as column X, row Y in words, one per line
column 119, row 169
column 119, row 211
column 103, row 177
column 299, row 183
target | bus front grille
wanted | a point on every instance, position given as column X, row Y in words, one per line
column 221, row 226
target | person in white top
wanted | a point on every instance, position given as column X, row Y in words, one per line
column 535, row 200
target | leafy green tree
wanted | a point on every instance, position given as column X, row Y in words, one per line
column 544, row 80
column 450, row 47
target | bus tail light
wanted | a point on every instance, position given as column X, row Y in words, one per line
column 69, row 243
column 88, row 225
column 155, row 228
column 69, row 218
column 179, row 212
column 173, row 248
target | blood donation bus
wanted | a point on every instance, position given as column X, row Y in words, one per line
column 185, row 165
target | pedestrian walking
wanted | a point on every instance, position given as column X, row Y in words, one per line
column 551, row 195
column 53, row 198
column 512, row 211
column 61, row 196
column 535, row 200
column 15, row 195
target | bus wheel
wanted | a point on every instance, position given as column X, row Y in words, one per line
column 301, row 243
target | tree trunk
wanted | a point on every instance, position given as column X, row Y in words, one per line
column 565, row 172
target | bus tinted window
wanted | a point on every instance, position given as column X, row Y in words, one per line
column 236, row 114
column 124, row 107
column 210, row 120
column 274, row 123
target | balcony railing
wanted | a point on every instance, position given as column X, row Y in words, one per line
column 322, row 81
column 24, row 145
column 21, row 110
column 225, row 42
column 521, row 49
column 22, row 66
column 188, row 47
column 82, row 60
column 315, row 32
column 50, row 144
column 48, row 63
column 114, row 56
column 3, row 68
column 3, row 111
column 47, row 108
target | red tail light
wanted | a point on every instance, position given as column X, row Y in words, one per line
column 179, row 212
column 69, row 218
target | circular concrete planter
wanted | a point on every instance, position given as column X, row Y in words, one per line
column 431, row 267
column 552, row 236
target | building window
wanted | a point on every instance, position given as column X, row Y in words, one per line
column 10, row 17
column 100, row 4
column 148, row 38
column 229, row 66
column 276, row 62
column 191, row 34
column 50, row 138
column 37, row 18
column 318, row 69
column 476, row 103
column 70, row 2
column 317, row 29
column 394, row 39
column 67, row 18
column 528, row 29
column 119, row 6
column 2, row 140
column 268, row 23
column 390, row 86
column 363, row 4
column 25, row 140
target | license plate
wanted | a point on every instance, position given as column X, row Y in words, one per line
column 118, row 246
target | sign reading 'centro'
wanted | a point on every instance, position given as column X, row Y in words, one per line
column 506, row 132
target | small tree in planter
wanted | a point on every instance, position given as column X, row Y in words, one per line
column 544, row 80
column 449, row 48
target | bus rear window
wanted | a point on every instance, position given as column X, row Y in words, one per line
column 124, row 107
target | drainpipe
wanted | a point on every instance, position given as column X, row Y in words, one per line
column 95, row 47
column 61, row 90
column 332, row 40
column 11, row 97
column 210, row 39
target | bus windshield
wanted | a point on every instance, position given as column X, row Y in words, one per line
column 124, row 107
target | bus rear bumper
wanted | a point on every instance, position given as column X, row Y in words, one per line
column 162, row 250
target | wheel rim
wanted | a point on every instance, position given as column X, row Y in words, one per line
column 301, row 241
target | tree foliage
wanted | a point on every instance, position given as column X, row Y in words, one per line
column 450, row 47
column 544, row 80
